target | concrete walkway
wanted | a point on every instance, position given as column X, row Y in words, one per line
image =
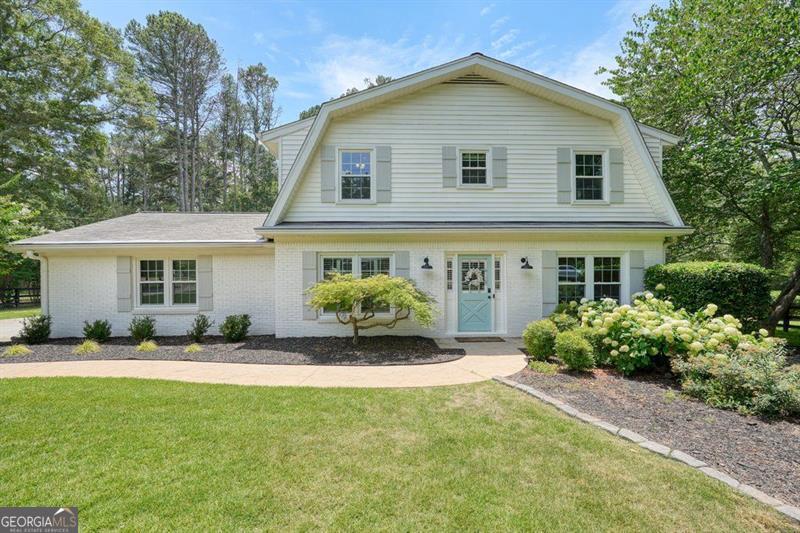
column 9, row 328
column 482, row 362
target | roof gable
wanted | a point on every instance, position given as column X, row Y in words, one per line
column 469, row 69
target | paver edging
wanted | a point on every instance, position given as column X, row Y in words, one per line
column 656, row 447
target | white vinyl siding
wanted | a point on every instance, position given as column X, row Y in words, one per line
column 655, row 147
column 289, row 147
column 417, row 126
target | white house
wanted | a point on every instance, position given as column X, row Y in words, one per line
column 496, row 190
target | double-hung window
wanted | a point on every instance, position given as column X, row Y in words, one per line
column 167, row 282
column 592, row 277
column 360, row 266
column 355, row 175
column 473, row 168
column 589, row 176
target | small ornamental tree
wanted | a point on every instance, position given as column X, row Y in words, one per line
column 355, row 301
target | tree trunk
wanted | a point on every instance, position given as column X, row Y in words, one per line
column 355, row 330
column 784, row 301
column 766, row 242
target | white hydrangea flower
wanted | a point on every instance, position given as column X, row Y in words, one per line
column 614, row 353
column 763, row 332
column 624, row 348
column 660, row 287
column 696, row 346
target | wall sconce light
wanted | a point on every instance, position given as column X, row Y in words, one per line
column 525, row 264
column 426, row 264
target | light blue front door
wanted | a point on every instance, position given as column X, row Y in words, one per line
column 475, row 293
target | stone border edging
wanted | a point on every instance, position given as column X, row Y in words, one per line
column 678, row 455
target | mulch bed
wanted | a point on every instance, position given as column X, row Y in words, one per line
column 761, row 453
column 263, row 349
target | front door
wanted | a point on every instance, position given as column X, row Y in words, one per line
column 474, row 293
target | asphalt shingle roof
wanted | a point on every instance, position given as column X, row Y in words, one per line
column 160, row 228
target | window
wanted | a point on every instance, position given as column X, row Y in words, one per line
column 607, row 279
column 184, row 282
column 174, row 286
column 588, row 176
column 571, row 278
column 151, row 282
column 449, row 274
column 473, row 168
column 604, row 275
column 355, row 174
column 497, row 274
column 360, row 267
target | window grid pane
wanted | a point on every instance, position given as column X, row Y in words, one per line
column 184, row 293
column 473, row 276
column 184, row 270
column 151, row 270
column 473, row 168
column 607, row 278
column 571, row 278
column 372, row 266
column 449, row 274
column 152, row 293
column 339, row 265
column 497, row 274
column 588, row 176
column 356, row 175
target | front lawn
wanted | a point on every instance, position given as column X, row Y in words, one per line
column 19, row 312
column 155, row 455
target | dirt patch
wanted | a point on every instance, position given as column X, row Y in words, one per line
column 262, row 349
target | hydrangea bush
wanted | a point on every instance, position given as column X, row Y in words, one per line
column 715, row 360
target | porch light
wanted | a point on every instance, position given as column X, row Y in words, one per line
column 525, row 264
column 426, row 264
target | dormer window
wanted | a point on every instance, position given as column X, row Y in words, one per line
column 589, row 176
column 355, row 175
column 473, row 168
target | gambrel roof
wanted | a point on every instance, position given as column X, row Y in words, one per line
column 514, row 76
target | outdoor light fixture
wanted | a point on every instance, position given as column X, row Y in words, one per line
column 525, row 264
column 426, row 264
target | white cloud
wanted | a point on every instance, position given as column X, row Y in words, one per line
column 345, row 62
column 505, row 39
column 487, row 9
column 258, row 37
column 497, row 24
column 578, row 68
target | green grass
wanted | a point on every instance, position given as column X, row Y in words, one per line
column 19, row 312
column 155, row 455
column 792, row 336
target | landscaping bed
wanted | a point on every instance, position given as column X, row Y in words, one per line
column 761, row 453
column 261, row 349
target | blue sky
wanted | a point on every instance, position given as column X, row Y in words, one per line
column 319, row 49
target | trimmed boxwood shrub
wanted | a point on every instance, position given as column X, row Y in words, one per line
column 574, row 350
column 540, row 339
column 738, row 289
column 142, row 328
column 98, row 331
column 35, row 329
column 234, row 327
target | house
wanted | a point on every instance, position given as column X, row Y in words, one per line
column 498, row 191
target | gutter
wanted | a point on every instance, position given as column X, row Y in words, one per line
column 25, row 247
column 274, row 230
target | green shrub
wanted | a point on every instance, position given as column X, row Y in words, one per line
column 15, row 350
column 564, row 321
column 235, row 327
column 749, row 379
column 543, row 367
column 142, row 328
column 540, row 338
column 99, row 330
column 200, row 327
column 595, row 339
column 35, row 329
column 147, row 346
column 193, row 348
column 739, row 289
column 574, row 350
column 86, row 347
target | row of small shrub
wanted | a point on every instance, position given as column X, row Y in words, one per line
column 36, row 329
column 713, row 358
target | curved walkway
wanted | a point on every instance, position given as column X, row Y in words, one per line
column 482, row 362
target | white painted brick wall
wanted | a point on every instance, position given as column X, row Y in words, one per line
column 84, row 289
column 522, row 288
